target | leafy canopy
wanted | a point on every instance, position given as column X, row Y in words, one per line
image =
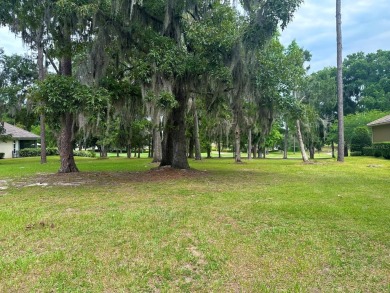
column 58, row 94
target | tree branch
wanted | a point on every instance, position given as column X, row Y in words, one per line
column 51, row 62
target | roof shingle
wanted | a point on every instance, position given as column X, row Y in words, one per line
column 380, row 121
column 19, row 133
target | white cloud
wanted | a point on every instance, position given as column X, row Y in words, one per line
column 365, row 26
column 11, row 43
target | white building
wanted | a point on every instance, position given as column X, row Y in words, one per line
column 20, row 139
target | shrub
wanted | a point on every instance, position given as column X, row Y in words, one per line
column 368, row 151
column 382, row 149
column 356, row 154
column 2, row 155
column 30, row 152
column 89, row 154
column 52, row 152
column 360, row 139
column 36, row 152
column 386, row 154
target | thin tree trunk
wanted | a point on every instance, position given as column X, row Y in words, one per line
column 250, row 144
column 311, row 152
column 209, row 152
column 105, row 147
column 300, row 140
column 237, row 140
column 227, row 140
column 255, row 146
column 128, row 150
column 219, row 143
column 191, row 146
column 294, row 145
column 43, row 138
column 340, row 100
column 332, row 146
column 285, row 142
column 41, row 73
column 157, row 152
column 103, row 151
column 346, row 150
column 150, row 147
column 198, row 155
column 156, row 145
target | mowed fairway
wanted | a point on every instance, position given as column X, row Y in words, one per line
column 261, row 226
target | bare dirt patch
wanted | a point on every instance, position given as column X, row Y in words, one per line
column 3, row 187
column 107, row 178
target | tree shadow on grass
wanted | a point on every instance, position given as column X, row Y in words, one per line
column 107, row 178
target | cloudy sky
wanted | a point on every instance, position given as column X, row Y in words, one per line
column 366, row 27
column 9, row 43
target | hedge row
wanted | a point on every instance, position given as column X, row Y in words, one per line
column 89, row 154
column 378, row 150
column 36, row 152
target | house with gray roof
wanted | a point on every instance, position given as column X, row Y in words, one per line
column 380, row 129
column 19, row 139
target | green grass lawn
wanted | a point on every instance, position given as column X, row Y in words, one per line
column 261, row 226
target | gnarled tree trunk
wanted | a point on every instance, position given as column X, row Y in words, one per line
column 174, row 152
column 66, row 139
column 65, row 145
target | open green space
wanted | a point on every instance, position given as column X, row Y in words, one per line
column 260, row 226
